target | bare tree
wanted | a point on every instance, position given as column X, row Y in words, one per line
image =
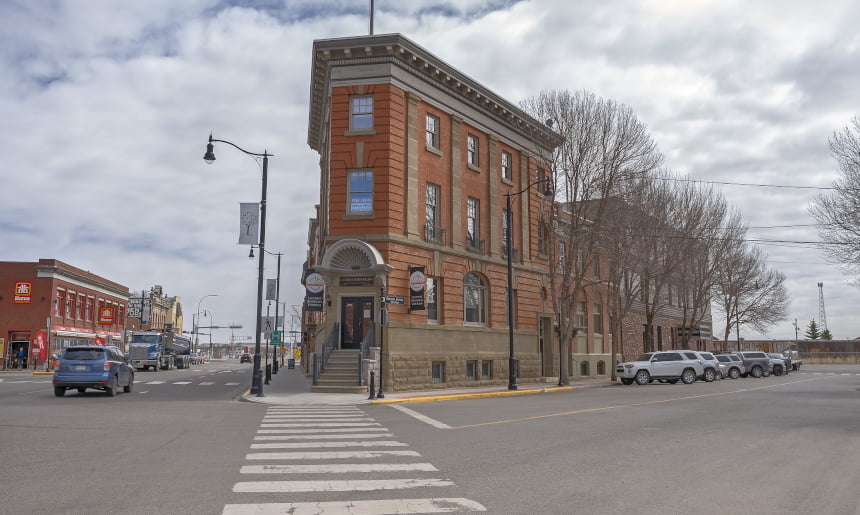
column 605, row 144
column 748, row 293
column 838, row 212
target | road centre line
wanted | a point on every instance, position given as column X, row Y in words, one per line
column 419, row 416
column 378, row 507
column 338, row 468
column 632, row 405
column 347, row 485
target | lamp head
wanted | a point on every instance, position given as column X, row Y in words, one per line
column 251, row 254
column 549, row 191
column 209, row 156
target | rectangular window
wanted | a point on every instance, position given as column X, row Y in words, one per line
column 360, row 191
column 68, row 304
column 561, row 255
column 438, row 372
column 361, row 113
column 597, row 266
column 472, row 149
column 507, row 171
column 541, row 237
column 579, row 267
column 598, row 320
column 473, row 223
column 89, row 313
column 540, row 178
column 432, row 299
column 432, row 133
column 80, row 306
column 432, row 231
column 580, row 315
column 486, row 369
column 471, row 370
column 58, row 303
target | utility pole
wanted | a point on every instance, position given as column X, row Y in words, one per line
column 821, row 315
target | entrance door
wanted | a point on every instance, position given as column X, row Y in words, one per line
column 356, row 316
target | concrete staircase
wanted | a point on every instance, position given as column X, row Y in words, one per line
column 340, row 374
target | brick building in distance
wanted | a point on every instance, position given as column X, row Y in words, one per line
column 48, row 305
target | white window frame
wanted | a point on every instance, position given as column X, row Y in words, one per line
column 472, row 148
column 507, row 166
column 351, row 192
column 474, row 292
column 360, row 109
column 431, row 137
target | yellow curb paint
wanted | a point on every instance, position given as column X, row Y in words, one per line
column 470, row 395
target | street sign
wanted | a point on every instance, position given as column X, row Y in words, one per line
column 392, row 299
column 276, row 336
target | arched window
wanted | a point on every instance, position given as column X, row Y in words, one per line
column 474, row 299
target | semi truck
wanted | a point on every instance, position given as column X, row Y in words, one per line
column 159, row 350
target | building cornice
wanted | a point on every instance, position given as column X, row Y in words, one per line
column 397, row 50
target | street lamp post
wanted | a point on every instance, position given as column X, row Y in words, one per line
column 196, row 324
column 512, row 372
column 277, row 301
column 209, row 157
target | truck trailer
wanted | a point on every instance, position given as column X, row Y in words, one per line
column 159, row 350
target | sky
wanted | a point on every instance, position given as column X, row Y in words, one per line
column 106, row 107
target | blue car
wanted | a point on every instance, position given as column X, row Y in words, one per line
column 93, row 366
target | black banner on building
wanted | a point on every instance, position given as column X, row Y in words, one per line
column 314, row 288
column 417, row 282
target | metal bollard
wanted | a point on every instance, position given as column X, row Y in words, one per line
column 372, row 389
column 268, row 373
column 275, row 366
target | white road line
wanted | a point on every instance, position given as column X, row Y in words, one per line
column 270, row 416
column 381, row 507
column 155, row 382
column 422, row 418
column 322, row 445
column 325, row 437
column 205, row 383
column 335, row 455
column 325, row 424
column 349, row 485
column 182, row 382
column 338, row 468
column 315, row 431
column 313, row 408
column 230, row 384
column 315, row 419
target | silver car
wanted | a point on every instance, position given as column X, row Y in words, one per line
column 734, row 365
column 712, row 368
column 663, row 365
column 777, row 364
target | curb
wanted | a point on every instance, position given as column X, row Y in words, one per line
column 471, row 395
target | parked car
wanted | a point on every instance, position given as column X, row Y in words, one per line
column 245, row 358
column 733, row 363
column 757, row 363
column 93, row 366
column 665, row 365
column 778, row 364
column 197, row 359
column 712, row 368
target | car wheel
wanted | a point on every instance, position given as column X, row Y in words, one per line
column 127, row 388
column 734, row 373
column 756, row 372
column 709, row 375
column 111, row 387
column 626, row 381
column 59, row 391
column 688, row 376
column 81, row 390
column 643, row 377
column 777, row 371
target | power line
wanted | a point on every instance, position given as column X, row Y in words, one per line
column 724, row 183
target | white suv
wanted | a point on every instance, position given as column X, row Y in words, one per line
column 667, row 365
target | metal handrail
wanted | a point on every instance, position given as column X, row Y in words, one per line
column 329, row 345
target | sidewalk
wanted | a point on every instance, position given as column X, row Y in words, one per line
column 291, row 388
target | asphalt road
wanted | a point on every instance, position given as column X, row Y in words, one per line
column 773, row 445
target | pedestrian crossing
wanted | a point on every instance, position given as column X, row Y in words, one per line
column 303, row 454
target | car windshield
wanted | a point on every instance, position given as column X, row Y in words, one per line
column 84, row 354
column 644, row 357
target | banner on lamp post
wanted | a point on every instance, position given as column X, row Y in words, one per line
column 271, row 289
column 249, row 223
column 314, row 286
column 417, row 281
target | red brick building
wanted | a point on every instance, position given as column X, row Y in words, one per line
column 49, row 305
column 415, row 161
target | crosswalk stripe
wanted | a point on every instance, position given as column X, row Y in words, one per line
column 325, row 424
column 338, row 468
column 333, row 455
column 315, row 431
column 346, row 485
column 279, row 416
column 324, row 437
column 269, row 420
column 380, row 507
column 322, row 445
